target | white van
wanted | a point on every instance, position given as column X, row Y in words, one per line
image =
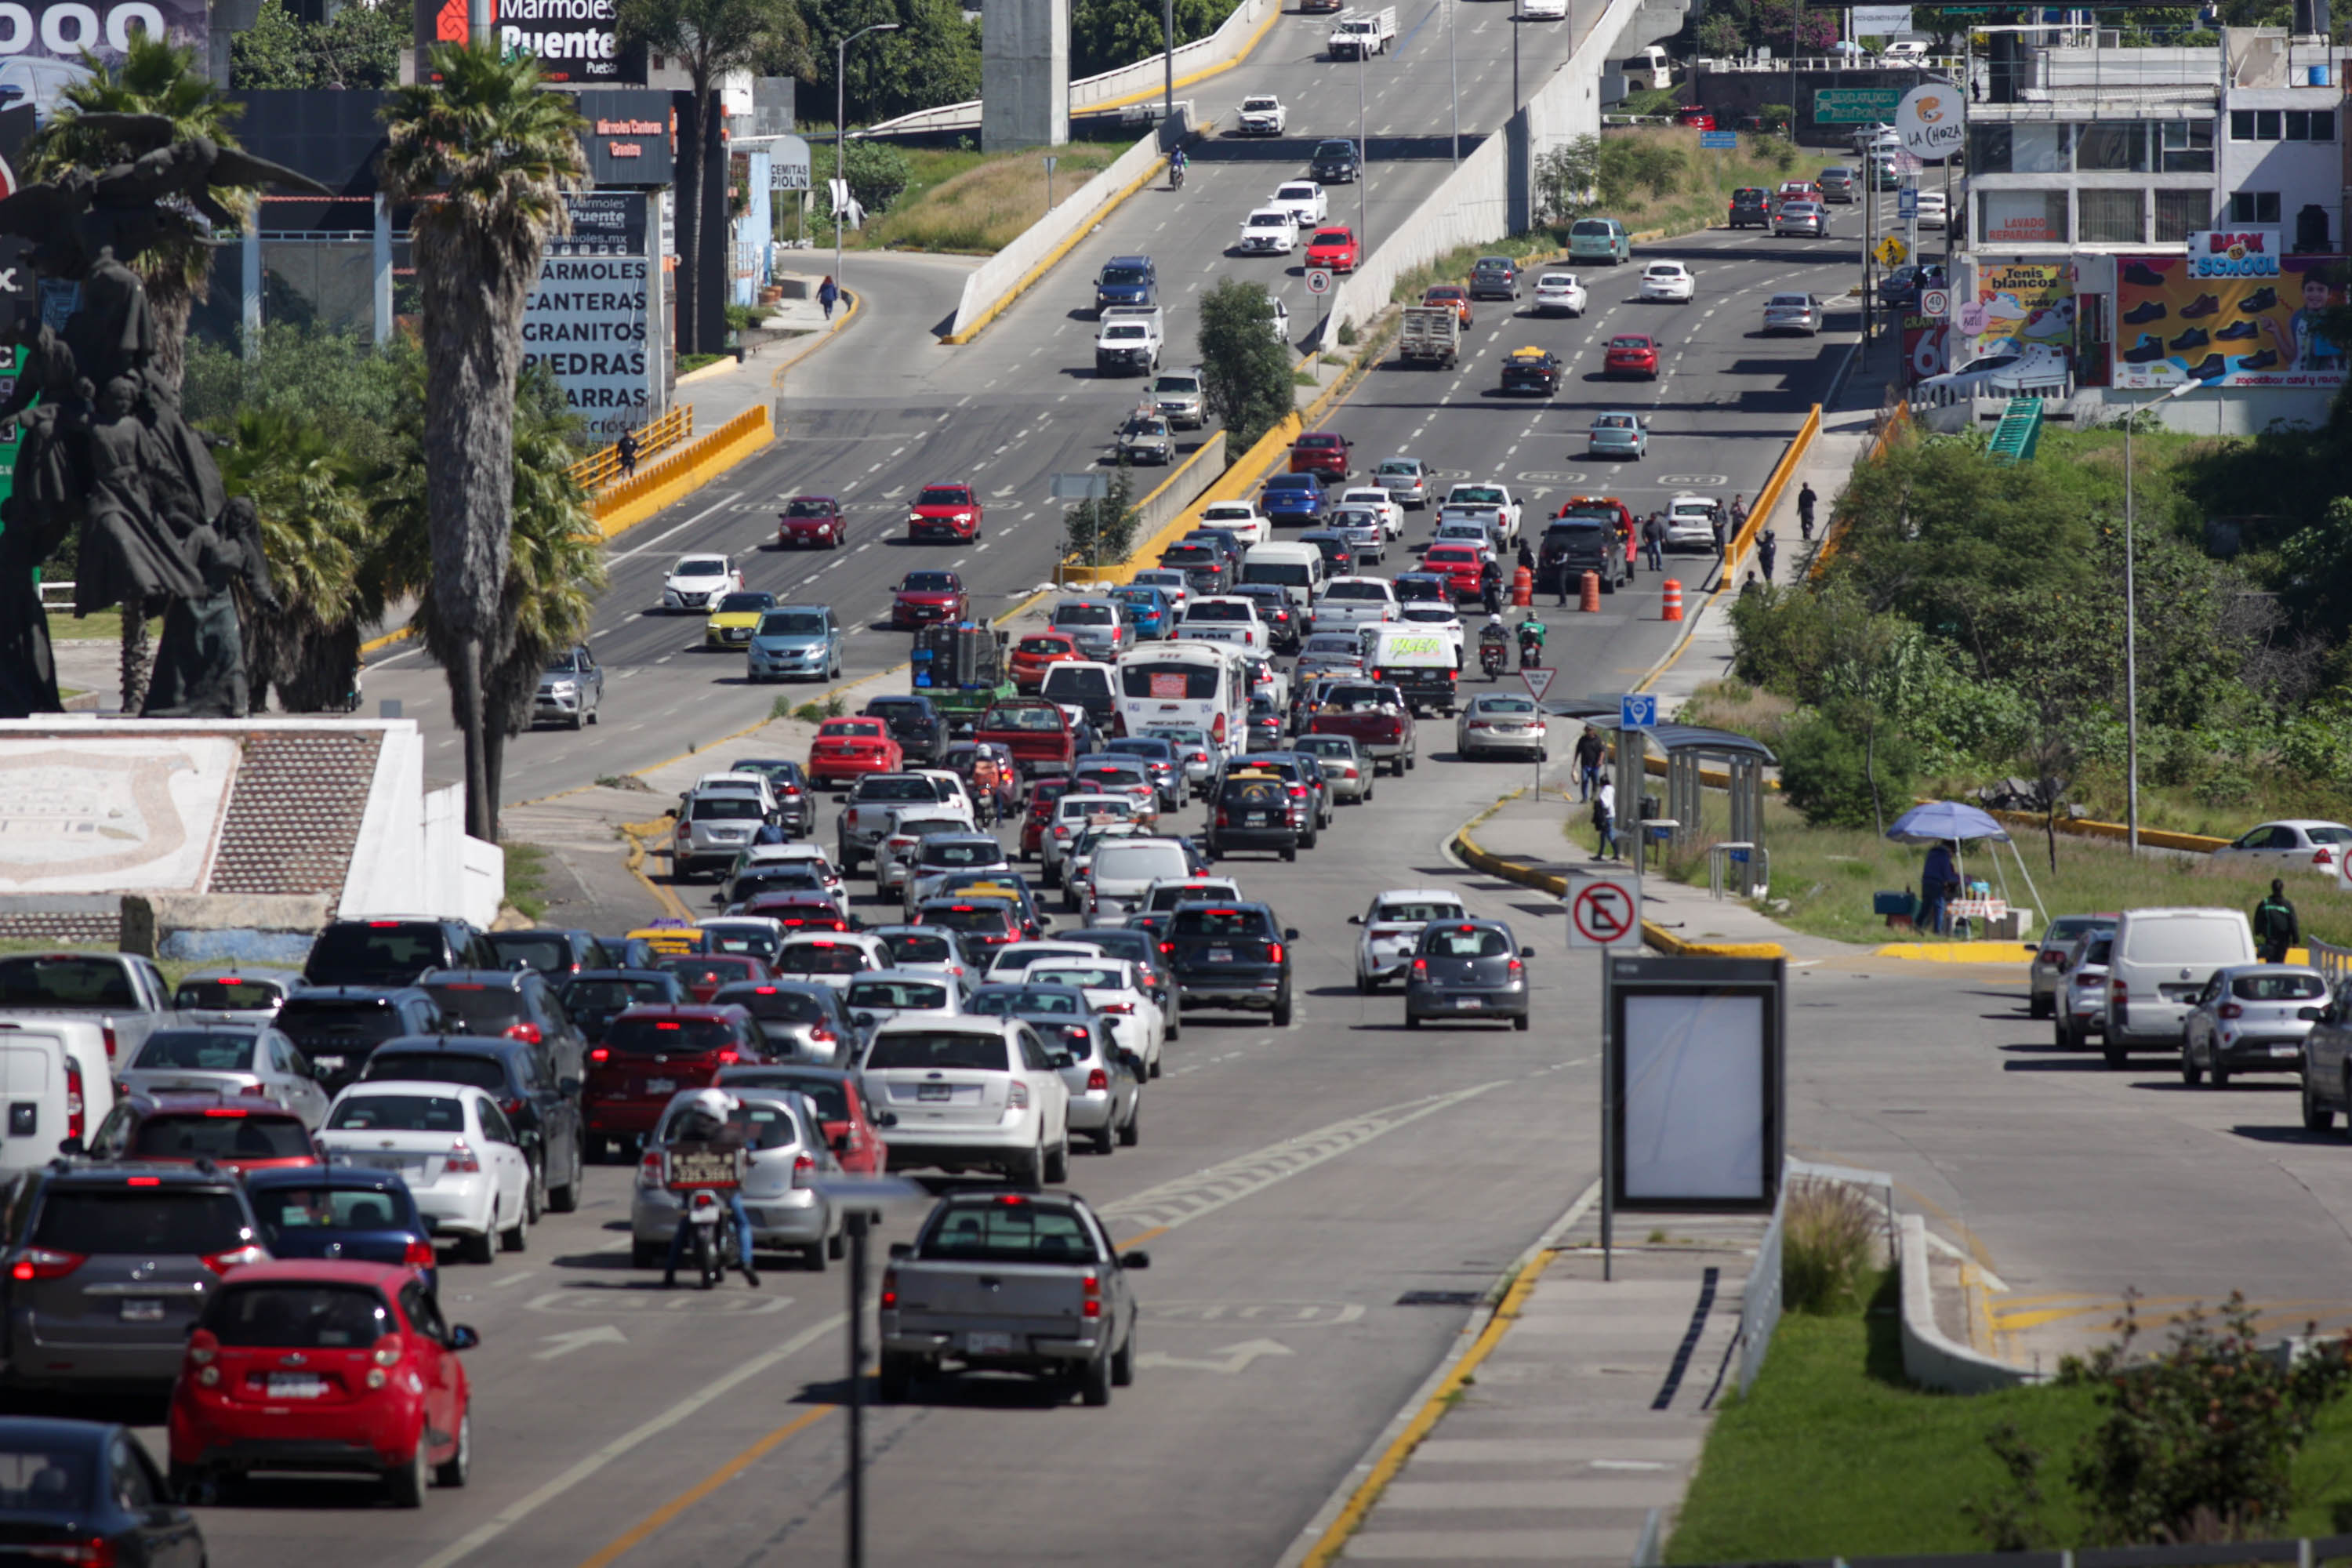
column 1648, row 70
column 55, row 1084
column 2160, row 960
column 1422, row 661
column 1295, row 569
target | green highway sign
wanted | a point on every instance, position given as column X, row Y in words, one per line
column 1855, row 105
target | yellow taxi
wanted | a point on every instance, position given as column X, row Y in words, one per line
column 730, row 624
column 680, row 941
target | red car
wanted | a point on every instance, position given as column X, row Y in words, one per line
column 237, row 1134
column 324, row 1365
column 812, row 520
column 798, row 910
column 944, row 511
column 648, row 1055
column 1695, row 116
column 1334, row 249
column 702, row 975
column 922, row 597
column 1462, row 565
column 1042, row 796
column 1631, row 354
column 850, row 1128
column 1321, row 452
column 1451, row 294
column 848, row 748
column 1034, row 653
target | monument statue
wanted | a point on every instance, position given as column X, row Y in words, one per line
column 105, row 448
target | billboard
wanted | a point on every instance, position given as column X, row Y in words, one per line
column 2234, row 312
column 587, row 323
column 2018, row 304
column 61, row 29
column 577, row 41
column 627, row 137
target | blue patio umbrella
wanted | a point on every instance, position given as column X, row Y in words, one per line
column 1934, row 821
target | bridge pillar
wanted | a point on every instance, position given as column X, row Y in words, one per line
column 1024, row 75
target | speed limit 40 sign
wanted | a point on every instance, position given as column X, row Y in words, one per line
column 1935, row 303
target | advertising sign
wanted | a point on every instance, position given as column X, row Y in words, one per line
column 1926, row 345
column 2232, row 313
column 789, row 163
column 2024, row 217
column 575, row 40
column 586, row 322
column 603, row 223
column 1880, row 21
column 1855, row 105
column 61, row 29
column 2020, row 304
column 627, row 140
column 1932, row 119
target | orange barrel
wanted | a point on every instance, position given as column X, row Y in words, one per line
column 1671, row 609
column 1589, row 601
column 1523, row 588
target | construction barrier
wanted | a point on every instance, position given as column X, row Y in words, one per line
column 1670, row 600
column 686, row 469
column 655, row 436
column 1588, row 596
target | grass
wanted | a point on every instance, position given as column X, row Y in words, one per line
column 105, row 625
column 696, row 362
column 526, row 879
column 978, row 202
column 1833, row 1453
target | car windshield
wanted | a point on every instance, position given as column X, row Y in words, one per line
column 2278, row 987
column 228, row 1135
column 1177, row 384
column 1463, row 941
column 1252, row 105
column 1122, row 276
column 809, row 506
column 196, row 1050
column 917, row 1050
column 1269, row 220
column 702, row 566
column 438, row 1066
column 570, row 663
column 62, row 980
column 744, row 603
column 940, row 495
column 668, row 1037
column 327, row 1208
column 1010, row 1230
column 792, row 623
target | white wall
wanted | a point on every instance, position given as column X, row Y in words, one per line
column 412, row 856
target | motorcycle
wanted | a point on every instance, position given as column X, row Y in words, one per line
column 1530, row 652
column 1492, row 656
column 1176, row 178
column 709, row 1245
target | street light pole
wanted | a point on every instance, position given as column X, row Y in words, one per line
column 1364, row 148
column 840, row 129
column 2131, row 626
column 1168, row 71
column 1454, row 67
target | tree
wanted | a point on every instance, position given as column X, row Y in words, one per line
column 710, row 38
column 1103, row 531
column 359, row 49
column 1108, row 33
column 337, row 383
column 487, row 156
column 314, row 529
column 152, row 78
column 933, row 58
column 1828, row 774
column 1245, row 367
column 1566, row 175
column 878, row 171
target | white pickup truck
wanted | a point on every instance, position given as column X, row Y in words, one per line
column 1363, row 33
column 1261, row 117
column 1128, row 340
column 124, row 994
column 1225, row 619
column 1489, row 504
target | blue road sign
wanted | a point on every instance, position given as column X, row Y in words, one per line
column 1906, row 203
column 1719, row 140
column 1637, row 712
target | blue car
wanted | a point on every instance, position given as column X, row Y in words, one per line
column 350, row 1211
column 1292, row 498
column 1147, row 608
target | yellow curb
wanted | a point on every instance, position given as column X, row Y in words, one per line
column 2154, row 837
column 1960, row 952
column 1653, row 934
column 1334, row 1540
column 1273, row 13
column 1052, row 259
column 636, row 833
column 832, row 330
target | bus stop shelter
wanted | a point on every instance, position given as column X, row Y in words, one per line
column 1689, row 751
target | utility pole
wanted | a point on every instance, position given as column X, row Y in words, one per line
column 1168, row 72
column 1454, row 67
column 1364, row 147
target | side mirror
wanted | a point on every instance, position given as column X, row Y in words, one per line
column 900, row 1250
column 670, row 811
column 1290, row 933
column 864, row 1020
column 1058, row 1060
column 432, row 1225
column 464, row 1337
column 841, row 1143
column 1355, row 919
column 567, row 1086
column 886, row 1119
column 1135, row 1260
column 69, row 1146
column 1527, row 952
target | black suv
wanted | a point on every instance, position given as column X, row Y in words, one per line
column 1574, row 545
column 519, row 1003
column 1255, row 809
column 1230, row 956
column 558, row 954
column 914, row 724
column 393, row 952
column 1335, row 162
column 1752, row 208
column 594, row 997
column 545, row 1114
column 338, row 1026
column 107, row 1267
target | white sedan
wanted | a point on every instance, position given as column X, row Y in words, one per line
column 1269, row 231
column 1560, row 293
column 1111, row 985
column 830, row 958
column 452, row 1145
column 1669, row 281
column 700, row 582
column 2302, row 843
column 1240, row 519
column 1392, row 931
column 1378, row 497
column 1543, row 10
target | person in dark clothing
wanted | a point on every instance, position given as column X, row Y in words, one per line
column 827, row 295
column 1588, row 763
column 1490, row 587
column 1805, row 499
column 1768, row 545
column 1938, row 880
column 1527, row 556
column 625, row 448
column 1653, row 541
column 2274, row 925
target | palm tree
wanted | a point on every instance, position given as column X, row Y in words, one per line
column 710, row 38
column 314, row 529
column 154, row 77
column 487, row 155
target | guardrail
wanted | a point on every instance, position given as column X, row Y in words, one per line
column 2335, row 963
column 1769, row 497
column 1007, row 275
column 596, row 470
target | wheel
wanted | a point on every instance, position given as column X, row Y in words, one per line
column 477, row 1249
column 2190, row 1073
column 565, row 1199
column 1290, row 854
column 1411, row 762
column 1520, row 1023
column 896, row 1376
column 2316, row 1117
column 517, row 1236
column 1105, row 1141
column 2118, row 1058
column 1311, row 841
column 1122, row 1363
column 2040, row 1006
column 579, row 720
column 184, row 1481
column 706, row 1256
column 1412, row 1020
column 1132, row 1133
column 1094, row 1381
column 458, row 1469
column 406, row 1483
column 1029, row 1173
column 1057, row 1161
column 1365, row 984
column 647, row 1254
column 534, row 1193
column 814, row 1257
column 2220, row 1075
column 1282, row 1011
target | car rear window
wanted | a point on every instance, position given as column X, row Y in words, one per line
column 482, row 1010
column 225, row 1135
column 65, row 981
column 1417, row 909
column 744, row 939
column 355, row 953
column 918, row 947
column 45, row 1480
column 711, row 971
column 1138, row 862
column 225, row 995
column 822, row 958
column 646, row 1037
column 299, row 1317
column 965, row 916
column 196, row 1050
column 341, row 1021
column 1220, row 922
column 920, row 1048
column 400, row 1113
column 896, row 993
column 776, row 1005
column 436, row 1067
column 827, row 1095
column 961, row 854
column 611, row 995
column 155, row 1220
column 2278, row 987
column 1083, row 616
column 2186, row 938
column 534, row 950
column 1463, row 941
column 326, row 1208
column 1010, row 1231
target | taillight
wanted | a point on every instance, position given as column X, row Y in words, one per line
column 1518, row 968
column 526, row 1032
column 97, row 1552
column 1274, row 953
column 889, row 1288
column 107, row 1028
column 1216, row 733
column 600, row 1054
column 730, row 1057
column 2119, row 991
column 235, row 1258
column 1167, row 949
column 44, row 1263
column 1091, row 1306
column 1097, row 1079
column 1222, row 821
column 1421, row 966
column 417, row 1254
column 73, row 1099
column 1122, row 1008
column 387, row 1352
column 804, row 1167
column 461, row 1160
column 649, row 1170
column 2231, row 1010
column 1017, row 1097
column 822, row 1035
column 2325, row 857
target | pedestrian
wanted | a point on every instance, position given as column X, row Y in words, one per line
column 2274, row 925
column 1490, row 587
column 1604, row 821
column 827, row 295
column 1653, row 541
column 1716, row 522
column 1751, row 586
column 625, row 448
column 1805, row 499
column 1768, row 545
column 1588, row 763
column 1738, row 513
column 1938, row 880
column 1527, row 556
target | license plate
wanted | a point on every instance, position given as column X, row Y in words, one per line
column 934, row 1092
column 988, row 1344
column 1221, row 955
column 296, row 1385
column 2287, row 1050
column 1258, row 817
column 661, row 1085
column 1468, row 1002
column 139, row 1310
column 328, row 1064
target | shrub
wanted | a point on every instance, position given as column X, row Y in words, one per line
column 807, row 712
column 1830, row 1233
column 1846, row 769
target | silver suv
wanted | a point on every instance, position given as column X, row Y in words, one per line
column 1177, row 395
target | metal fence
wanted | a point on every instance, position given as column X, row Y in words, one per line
column 1760, row 1302
column 2335, row 963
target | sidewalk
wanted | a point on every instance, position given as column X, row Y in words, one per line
column 1589, row 1411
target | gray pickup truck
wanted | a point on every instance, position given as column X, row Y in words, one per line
column 1010, row 1282
column 123, row 993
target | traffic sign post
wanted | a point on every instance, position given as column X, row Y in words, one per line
column 1637, row 710
column 1605, row 911
column 1719, row 140
column 1936, row 304
column 1537, row 681
column 1319, row 283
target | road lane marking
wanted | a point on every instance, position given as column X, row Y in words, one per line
column 690, row 522
column 668, row 1511
column 524, row 1507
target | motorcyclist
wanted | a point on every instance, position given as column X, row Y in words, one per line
column 1490, row 587
column 984, row 786
column 1494, row 644
column 1531, row 642
column 708, row 1121
column 1177, row 164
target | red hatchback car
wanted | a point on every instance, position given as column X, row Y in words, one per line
column 922, row 597
column 236, row 1134
column 1322, row 452
column 812, row 520
column 1033, row 653
column 1334, row 249
column 1042, row 793
column 1462, row 565
column 324, row 1365
column 944, row 511
column 648, row 1055
column 1631, row 354
column 845, row 749
column 703, row 974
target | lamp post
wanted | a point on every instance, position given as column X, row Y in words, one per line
column 1453, row 68
column 2131, row 624
column 1364, row 147
column 1168, row 59
column 840, row 129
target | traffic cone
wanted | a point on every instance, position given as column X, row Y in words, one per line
column 1523, row 588
column 1671, row 607
column 1590, row 600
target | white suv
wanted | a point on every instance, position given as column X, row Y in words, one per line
column 972, row 1093
column 1392, row 931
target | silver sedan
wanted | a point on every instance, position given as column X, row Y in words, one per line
column 1792, row 313
column 1498, row 723
column 232, row 1061
column 2252, row 1017
column 1348, row 769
